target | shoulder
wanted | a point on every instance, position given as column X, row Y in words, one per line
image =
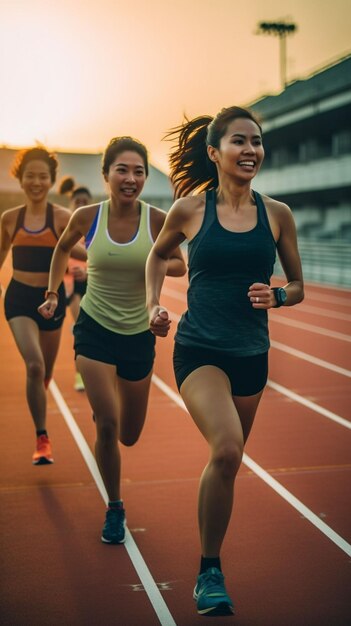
column 278, row 210
column 83, row 217
column 10, row 216
column 157, row 216
column 187, row 208
column 61, row 212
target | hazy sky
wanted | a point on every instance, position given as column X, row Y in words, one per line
column 75, row 73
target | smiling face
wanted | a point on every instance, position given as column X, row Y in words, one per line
column 36, row 180
column 126, row 176
column 81, row 198
column 240, row 152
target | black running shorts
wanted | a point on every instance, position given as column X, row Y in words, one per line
column 133, row 355
column 22, row 300
column 247, row 374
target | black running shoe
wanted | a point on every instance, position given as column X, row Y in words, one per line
column 114, row 529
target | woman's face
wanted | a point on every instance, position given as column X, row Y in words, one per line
column 126, row 176
column 36, row 180
column 80, row 199
column 241, row 151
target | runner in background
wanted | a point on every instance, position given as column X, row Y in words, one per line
column 78, row 197
column 32, row 231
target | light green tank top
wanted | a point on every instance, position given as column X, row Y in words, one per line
column 115, row 296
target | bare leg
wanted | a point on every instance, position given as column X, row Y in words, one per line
column 29, row 342
column 50, row 343
column 100, row 384
column 74, row 308
column 133, row 398
column 207, row 395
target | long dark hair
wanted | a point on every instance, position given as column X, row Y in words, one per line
column 190, row 167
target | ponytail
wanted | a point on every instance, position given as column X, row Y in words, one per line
column 191, row 168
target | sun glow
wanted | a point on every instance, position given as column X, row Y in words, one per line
column 75, row 74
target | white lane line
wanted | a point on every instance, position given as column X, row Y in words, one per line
column 335, row 315
column 136, row 558
column 311, row 359
column 292, row 351
column 321, row 297
column 311, row 328
column 272, row 482
column 309, row 404
column 280, row 389
column 279, row 319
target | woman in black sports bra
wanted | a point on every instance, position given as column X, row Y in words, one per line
column 31, row 232
column 221, row 344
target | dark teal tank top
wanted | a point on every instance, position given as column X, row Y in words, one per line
column 222, row 266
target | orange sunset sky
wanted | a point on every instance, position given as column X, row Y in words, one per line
column 73, row 74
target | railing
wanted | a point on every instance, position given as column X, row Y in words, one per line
column 324, row 261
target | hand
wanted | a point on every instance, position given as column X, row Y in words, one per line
column 159, row 321
column 79, row 273
column 48, row 308
column 261, row 296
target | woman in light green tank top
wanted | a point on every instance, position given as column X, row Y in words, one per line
column 113, row 344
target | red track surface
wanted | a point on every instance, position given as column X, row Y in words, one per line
column 280, row 568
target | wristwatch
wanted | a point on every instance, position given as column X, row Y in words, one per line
column 280, row 296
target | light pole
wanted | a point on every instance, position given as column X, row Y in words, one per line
column 282, row 30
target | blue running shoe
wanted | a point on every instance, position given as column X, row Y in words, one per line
column 114, row 529
column 210, row 594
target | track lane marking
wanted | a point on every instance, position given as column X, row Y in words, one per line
column 309, row 404
column 270, row 481
column 311, row 359
column 334, row 315
column 318, row 330
column 278, row 319
column 298, row 353
column 150, row 586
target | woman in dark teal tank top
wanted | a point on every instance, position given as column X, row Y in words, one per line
column 222, row 340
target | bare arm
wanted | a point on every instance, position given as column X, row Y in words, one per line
column 74, row 231
column 176, row 265
column 170, row 237
column 291, row 264
column 5, row 241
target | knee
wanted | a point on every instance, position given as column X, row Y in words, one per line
column 35, row 370
column 106, row 430
column 129, row 439
column 228, row 458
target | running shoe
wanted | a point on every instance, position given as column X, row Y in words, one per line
column 78, row 382
column 115, row 526
column 43, row 452
column 210, row 594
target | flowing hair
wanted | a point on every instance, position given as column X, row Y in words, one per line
column 38, row 153
column 191, row 169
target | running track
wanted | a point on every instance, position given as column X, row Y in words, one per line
column 286, row 556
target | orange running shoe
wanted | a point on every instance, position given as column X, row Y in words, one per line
column 43, row 452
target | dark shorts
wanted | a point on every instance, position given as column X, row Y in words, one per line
column 247, row 374
column 23, row 300
column 132, row 355
column 79, row 288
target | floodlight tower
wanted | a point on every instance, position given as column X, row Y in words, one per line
column 282, row 30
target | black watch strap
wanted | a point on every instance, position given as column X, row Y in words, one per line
column 280, row 296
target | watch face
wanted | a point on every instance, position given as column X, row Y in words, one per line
column 282, row 295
